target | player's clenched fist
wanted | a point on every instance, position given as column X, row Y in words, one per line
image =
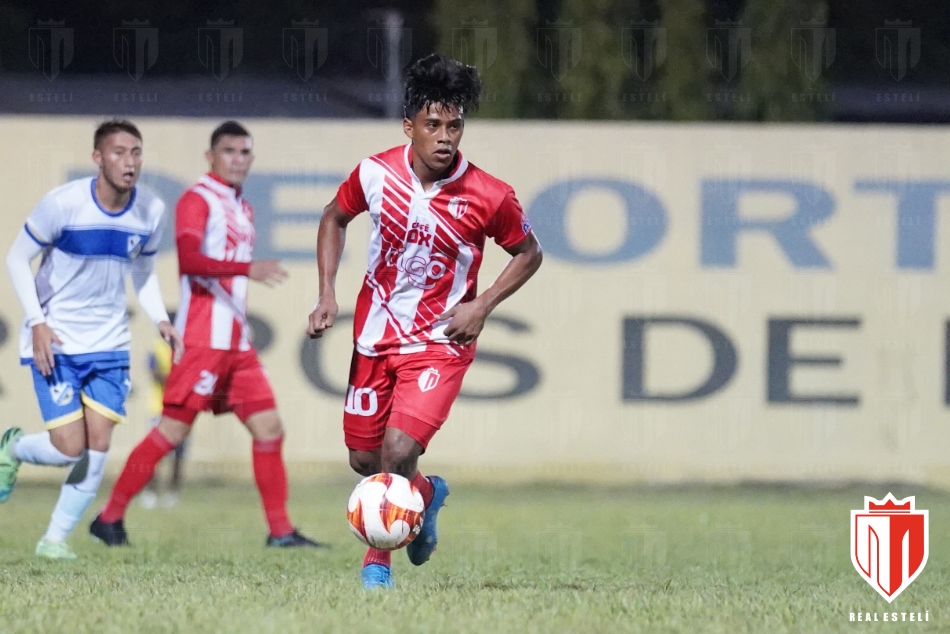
column 322, row 317
column 467, row 322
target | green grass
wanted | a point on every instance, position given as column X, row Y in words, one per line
column 511, row 559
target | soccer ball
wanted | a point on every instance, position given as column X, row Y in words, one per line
column 385, row 511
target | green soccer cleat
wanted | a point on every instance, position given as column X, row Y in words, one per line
column 54, row 550
column 8, row 462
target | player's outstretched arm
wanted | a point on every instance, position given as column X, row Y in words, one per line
column 331, row 238
column 191, row 221
column 149, row 293
column 469, row 319
column 24, row 249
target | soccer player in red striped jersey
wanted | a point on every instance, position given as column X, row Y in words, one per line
column 418, row 313
column 219, row 371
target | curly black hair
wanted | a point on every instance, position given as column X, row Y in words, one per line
column 435, row 79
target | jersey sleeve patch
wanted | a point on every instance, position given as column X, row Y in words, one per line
column 509, row 225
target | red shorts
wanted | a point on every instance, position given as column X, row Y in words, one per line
column 422, row 386
column 219, row 381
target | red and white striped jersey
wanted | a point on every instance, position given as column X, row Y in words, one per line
column 426, row 248
column 213, row 310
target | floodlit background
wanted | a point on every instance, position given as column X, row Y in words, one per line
column 740, row 329
column 738, row 286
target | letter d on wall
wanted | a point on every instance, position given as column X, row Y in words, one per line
column 634, row 359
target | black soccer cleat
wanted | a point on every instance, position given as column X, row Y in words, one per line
column 293, row 540
column 110, row 534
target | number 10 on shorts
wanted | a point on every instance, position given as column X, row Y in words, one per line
column 361, row 401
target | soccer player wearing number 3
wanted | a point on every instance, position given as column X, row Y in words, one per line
column 93, row 233
column 418, row 314
column 220, row 371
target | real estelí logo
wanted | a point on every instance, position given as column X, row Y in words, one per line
column 890, row 543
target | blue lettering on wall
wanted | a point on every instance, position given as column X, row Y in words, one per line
column 261, row 189
column 646, row 220
column 916, row 218
column 721, row 223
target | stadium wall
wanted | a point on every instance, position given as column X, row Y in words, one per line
column 717, row 303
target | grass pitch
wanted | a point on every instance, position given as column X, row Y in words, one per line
column 511, row 559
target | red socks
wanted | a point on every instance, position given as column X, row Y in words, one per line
column 138, row 470
column 381, row 557
column 424, row 486
column 269, row 473
column 271, row 478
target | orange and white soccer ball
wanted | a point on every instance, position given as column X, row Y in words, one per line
column 385, row 511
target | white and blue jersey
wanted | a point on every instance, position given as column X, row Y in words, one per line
column 87, row 254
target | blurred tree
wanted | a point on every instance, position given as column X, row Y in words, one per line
column 792, row 48
column 593, row 88
column 493, row 36
column 685, row 81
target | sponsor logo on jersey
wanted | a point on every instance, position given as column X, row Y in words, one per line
column 361, row 401
column 62, row 393
column 422, row 271
column 205, row 385
column 428, row 379
column 458, row 207
column 890, row 542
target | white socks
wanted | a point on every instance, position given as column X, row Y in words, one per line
column 39, row 449
column 77, row 494
column 81, row 484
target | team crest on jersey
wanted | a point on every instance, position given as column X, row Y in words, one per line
column 134, row 246
column 458, row 207
column 890, row 542
column 428, row 379
column 62, row 393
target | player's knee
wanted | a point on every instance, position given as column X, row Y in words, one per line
column 265, row 426
column 364, row 463
column 69, row 446
column 400, row 460
column 175, row 431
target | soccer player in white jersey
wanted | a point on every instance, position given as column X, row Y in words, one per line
column 92, row 234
